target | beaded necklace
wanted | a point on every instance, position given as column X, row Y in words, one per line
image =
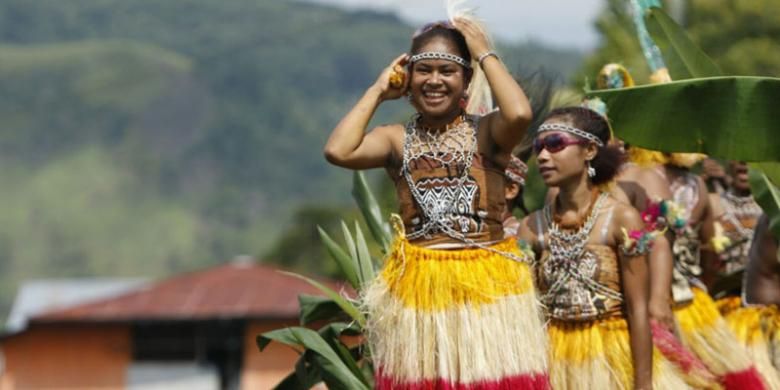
column 454, row 148
column 567, row 249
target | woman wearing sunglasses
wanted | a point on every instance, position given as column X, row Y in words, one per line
column 454, row 306
column 592, row 272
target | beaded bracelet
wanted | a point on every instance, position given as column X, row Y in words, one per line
column 486, row 55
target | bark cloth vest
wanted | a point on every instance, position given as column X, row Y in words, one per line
column 584, row 285
column 447, row 199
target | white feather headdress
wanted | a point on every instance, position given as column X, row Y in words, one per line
column 480, row 96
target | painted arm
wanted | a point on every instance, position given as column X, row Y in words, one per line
column 349, row 146
column 508, row 125
column 635, row 280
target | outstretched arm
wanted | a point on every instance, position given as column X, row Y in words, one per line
column 509, row 124
column 349, row 146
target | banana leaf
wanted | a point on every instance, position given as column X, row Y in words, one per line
column 768, row 197
column 343, row 303
column 335, row 372
column 683, row 58
column 725, row 117
column 371, row 212
column 345, row 262
column 316, row 308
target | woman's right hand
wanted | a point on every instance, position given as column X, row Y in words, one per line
column 388, row 90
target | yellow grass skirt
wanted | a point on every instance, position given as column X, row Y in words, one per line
column 704, row 331
column 597, row 355
column 756, row 328
column 466, row 319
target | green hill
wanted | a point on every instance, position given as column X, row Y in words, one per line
column 148, row 137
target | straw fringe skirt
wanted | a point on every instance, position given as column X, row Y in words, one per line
column 704, row 331
column 455, row 319
column 756, row 328
column 597, row 355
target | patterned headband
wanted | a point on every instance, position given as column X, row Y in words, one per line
column 571, row 130
column 516, row 171
column 437, row 55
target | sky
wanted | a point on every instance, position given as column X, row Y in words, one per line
column 560, row 23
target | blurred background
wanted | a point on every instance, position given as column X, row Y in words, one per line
column 144, row 139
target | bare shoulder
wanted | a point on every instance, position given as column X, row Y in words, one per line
column 626, row 215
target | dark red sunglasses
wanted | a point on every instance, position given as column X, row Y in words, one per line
column 556, row 142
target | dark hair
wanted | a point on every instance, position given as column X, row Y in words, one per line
column 609, row 158
column 441, row 30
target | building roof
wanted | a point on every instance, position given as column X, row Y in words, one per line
column 241, row 289
column 38, row 296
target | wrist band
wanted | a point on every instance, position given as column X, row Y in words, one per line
column 486, row 55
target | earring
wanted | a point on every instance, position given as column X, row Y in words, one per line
column 591, row 170
column 464, row 100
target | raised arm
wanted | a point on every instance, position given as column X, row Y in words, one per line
column 509, row 124
column 635, row 280
column 349, row 145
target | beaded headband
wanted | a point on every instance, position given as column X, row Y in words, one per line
column 437, row 55
column 571, row 130
column 516, row 171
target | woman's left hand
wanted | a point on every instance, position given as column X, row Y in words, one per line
column 476, row 39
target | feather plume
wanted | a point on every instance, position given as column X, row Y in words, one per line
column 480, row 97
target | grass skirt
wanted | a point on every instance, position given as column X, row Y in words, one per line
column 704, row 331
column 455, row 319
column 756, row 328
column 597, row 355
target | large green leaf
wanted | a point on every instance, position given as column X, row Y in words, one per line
column 371, row 212
column 725, row 117
column 304, row 376
column 343, row 303
column 768, row 197
column 365, row 263
column 683, row 58
column 316, row 308
column 331, row 333
column 335, row 372
column 345, row 262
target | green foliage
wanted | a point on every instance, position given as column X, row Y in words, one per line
column 706, row 115
column 684, row 59
column 743, row 37
column 318, row 362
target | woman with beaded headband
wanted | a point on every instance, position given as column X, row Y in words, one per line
column 592, row 272
column 454, row 306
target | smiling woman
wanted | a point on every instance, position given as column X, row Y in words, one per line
column 455, row 305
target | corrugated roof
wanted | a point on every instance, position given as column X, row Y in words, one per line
column 236, row 290
column 43, row 295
